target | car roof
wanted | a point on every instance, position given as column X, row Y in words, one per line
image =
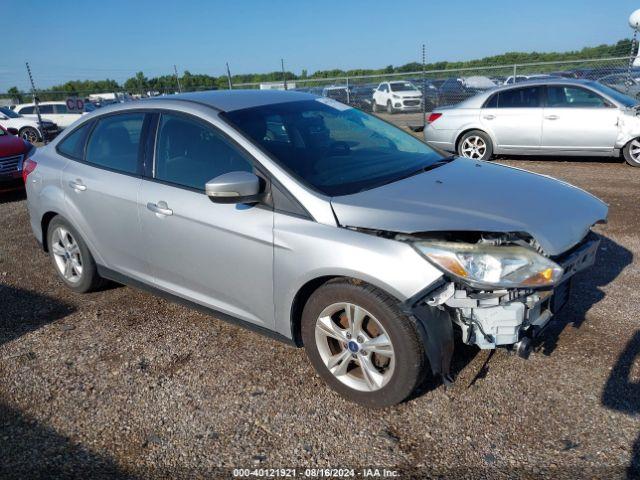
column 39, row 103
column 545, row 81
column 230, row 100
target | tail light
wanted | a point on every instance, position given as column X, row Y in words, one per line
column 28, row 165
column 433, row 117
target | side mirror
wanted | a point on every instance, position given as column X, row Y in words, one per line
column 234, row 187
column 13, row 131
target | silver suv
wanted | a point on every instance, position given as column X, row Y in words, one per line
column 315, row 223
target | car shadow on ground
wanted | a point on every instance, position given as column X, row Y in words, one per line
column 32, row 450
column 586, row 291
column 29, row 449
column 622, row 394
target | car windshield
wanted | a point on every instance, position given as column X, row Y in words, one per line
column 402, row 86
column 8, row 112
column 615, row 94
column 333, row 148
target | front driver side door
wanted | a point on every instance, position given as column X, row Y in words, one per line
column 217, row 255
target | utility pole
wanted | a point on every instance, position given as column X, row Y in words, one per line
column 284, row 77
column 35, row 102
column 175, row 71
column 229, row 77
column 424, row 87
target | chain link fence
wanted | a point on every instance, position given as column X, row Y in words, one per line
column 408, row 89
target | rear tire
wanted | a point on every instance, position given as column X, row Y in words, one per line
column 71, row 258
column 476, row 145
column 631, row 152
column 372, row 355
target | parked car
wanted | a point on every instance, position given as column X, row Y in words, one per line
column 340, row 232
column 28, row 129
column 554, row 117
column 455, row 90
column 362, row 97
column 56, row 112
column 397, row 96
column 510, row 80
column 13, row 151
column 336, row 92
column 431, row 94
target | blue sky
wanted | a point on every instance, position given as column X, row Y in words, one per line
column 92, row 40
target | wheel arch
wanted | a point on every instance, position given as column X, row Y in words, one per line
column 24, row 127
column 44, row 225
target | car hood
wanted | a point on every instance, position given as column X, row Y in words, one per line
column 12, row 145
column 468, row 195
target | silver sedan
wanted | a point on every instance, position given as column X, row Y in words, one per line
column 545, row 117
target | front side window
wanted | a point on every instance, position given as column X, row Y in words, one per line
column 73, row 144
column 115, row 142
column 573, row 97
column 27, row 110
column 335, row 149
column 190, row 153
column 61, row 108
column 520, row 98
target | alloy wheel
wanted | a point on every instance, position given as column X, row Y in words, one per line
column 634, row 150
column 30, row 135
column 354, row 347
column 473, row 147
column 67, row 255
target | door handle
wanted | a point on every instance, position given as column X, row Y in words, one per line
column 552, row 117
column 77, row 185
column 160, row 208
column 489, row 117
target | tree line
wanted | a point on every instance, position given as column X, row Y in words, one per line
column 140, row 84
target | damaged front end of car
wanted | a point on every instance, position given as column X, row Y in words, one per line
column 498, row 290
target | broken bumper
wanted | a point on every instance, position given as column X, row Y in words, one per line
column 503, row 317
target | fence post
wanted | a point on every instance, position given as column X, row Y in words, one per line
column 348, row 95
column 515, row 72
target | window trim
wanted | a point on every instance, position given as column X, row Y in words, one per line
column 91, row 124
column 542, row 96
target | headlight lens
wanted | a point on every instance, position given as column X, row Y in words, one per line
column 492, row 266
column 395, row 96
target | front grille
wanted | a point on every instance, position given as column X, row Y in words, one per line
column 10, row 164
column 411, row 103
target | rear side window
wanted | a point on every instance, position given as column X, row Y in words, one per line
column 115, row 142
column 61, row 108
column 573, row 97
column 520, row 98
column 492, row 102
column 46, row 109
column 190, row 152
column 73, row 145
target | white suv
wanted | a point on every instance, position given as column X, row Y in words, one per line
column 28, row 128
column 398, row 96
column 56, row 112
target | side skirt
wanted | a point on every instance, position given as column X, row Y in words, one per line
column 117, row 277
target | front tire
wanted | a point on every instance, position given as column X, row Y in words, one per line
column 476, row 145
column 631, row 152
column 29, row 134
column 390, row 109
column 71, row 258
column 361, row 343
column 374, row 106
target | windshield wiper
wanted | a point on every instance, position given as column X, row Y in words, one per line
column 426, row 168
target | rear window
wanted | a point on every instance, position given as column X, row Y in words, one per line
column 115, row 142
column 73, row 145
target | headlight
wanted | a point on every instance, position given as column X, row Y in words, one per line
column 395, row 96
column 492, row 266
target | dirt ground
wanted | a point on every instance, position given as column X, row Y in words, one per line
column 122, row 384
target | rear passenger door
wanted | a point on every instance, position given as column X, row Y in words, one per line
column 216, row 255
column 514, row 118
column 101, row 184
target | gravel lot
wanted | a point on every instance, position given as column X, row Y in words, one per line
column 119, row 383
